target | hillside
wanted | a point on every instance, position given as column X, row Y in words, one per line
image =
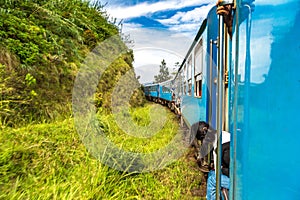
column 46, row 49
column 42, row 46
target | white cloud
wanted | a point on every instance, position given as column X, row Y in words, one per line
column 187, row 21
column 196, row 15
column 147, row 61
column 131, row 26
column 151, row 46
column 159, row 39
column 193, row 27
column 147, row 56
column 144, row 9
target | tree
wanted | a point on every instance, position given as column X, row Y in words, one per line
column 175, row 68
column 163, row 73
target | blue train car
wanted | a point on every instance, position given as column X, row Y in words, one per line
column 160, row 93
column 146, row 90
column 264, row 99
column 152, row 91
column 247, row 83
column 165, row 93
column 195, row 89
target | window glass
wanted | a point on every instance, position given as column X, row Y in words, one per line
column 199, row 57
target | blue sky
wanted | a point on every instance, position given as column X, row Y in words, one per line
column 159, row 29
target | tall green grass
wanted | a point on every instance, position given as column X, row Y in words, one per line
column 147, row 132
column 48, row 161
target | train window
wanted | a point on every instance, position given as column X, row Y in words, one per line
column 198, row 69
column 189, row 68
column 179, row 83
column 185, row 75
column 198, row 86
column 153, row 88
column 190, row 87
column 198, row 58
column 166, row 90
column 189, row 76
column 184, row 87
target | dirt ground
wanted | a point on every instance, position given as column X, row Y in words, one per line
column 199, row 191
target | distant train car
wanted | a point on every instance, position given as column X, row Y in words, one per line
column 160, row 92
column 166, row 93
column 151, row 91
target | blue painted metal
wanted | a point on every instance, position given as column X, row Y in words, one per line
column 264, row 98
column 151, row 90
column 191, row 110
column 196, row 109
column 265, row 111
column 212, row 34
column 166, row 91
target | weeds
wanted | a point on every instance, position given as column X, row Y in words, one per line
column 48, row 161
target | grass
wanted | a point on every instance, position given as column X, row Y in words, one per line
column 49, row 161
column 141, row 129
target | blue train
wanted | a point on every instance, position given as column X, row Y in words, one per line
column 160, row 93
column 245, row 79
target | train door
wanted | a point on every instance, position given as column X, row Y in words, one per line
column 212, row 36
column 213, row 72
column 222, row 94
column 266, row 106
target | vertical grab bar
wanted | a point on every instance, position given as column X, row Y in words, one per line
column 220, row 104
column 211, row 42
column 210, row 80
column 233, row 191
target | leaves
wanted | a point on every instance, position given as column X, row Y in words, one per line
column 42, row 45
column 163, row 73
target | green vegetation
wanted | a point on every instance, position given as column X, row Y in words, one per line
column 43, row 46
column 151, row 135
column 48, row 161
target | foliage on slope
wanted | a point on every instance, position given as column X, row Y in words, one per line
column 42, row 45
column 49, row 161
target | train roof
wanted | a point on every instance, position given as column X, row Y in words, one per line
column 200, row 32
column 149, row 84
column 161, row 83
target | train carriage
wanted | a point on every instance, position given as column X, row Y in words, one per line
column 264, row 100
column 151, row 91
column 196, row 88
column 166, row 93
column 246, row 80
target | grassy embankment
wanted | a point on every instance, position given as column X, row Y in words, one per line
column 48, row 161
column 42, row 47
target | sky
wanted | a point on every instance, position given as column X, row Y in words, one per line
column 158, row 30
